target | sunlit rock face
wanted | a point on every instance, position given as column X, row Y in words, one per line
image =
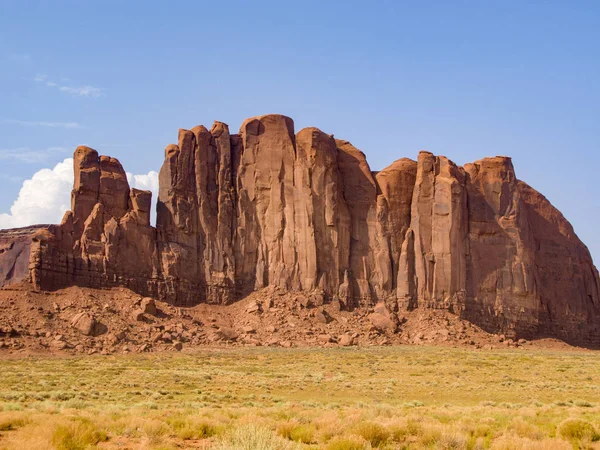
column 271, row 208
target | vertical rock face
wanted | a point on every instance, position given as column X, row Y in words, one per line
column 322, row 216
column 15, row 247
column 265, row 182
column 180, row 236
column 558, row 276
column 395, row 187
column 501, row 273
column 268, row 207
column 105, row 240
column 439, row 224
column 360, row 193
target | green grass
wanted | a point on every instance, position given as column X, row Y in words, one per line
column 339, row 398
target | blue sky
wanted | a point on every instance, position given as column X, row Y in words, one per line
column 464, row 79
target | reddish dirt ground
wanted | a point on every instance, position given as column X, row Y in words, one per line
column 89, row 321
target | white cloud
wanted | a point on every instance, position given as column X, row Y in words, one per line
column 43, row 198
column 28, row 155
column 46, row 196
column 29, row 123
column 80, row 91
column 147, row 182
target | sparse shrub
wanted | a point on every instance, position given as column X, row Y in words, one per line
column 304, row 433
column 452, row 441
column 147, row 405
column 413, row 404
column 77, row 435
column 577, row 430
column 508, row 405
column 12, row 422
column 476, row 430
column 329, row 429
column 374, row 433
column 193, row 429
column 512, row 442
column 62, row 396
column 347, row 443
column 206, row 429
column 252, row 437
column 401, row 433
column 76, row 404
column 155, row 430
column 430, row 435
column 285, row 429
column 12, row 407
column 525, row 430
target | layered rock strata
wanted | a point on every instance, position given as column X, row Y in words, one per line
column 268, row 207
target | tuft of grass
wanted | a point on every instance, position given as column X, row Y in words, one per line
column 252, row 437
column 297, row 432
column 155, row 430
column 12, row 407
column 10, row 422
column 526, row 430
column 577, row 430
column 304, row 433
column 372, row 432
column 193, row 428
column 431, row 435
column 348, row 443
column 285, row 429
column 512, row 442
column 77, row 435
column 452, row 441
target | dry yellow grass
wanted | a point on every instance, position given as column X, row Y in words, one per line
column 338, row 399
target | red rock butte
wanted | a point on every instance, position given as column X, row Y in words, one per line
column 304, row 212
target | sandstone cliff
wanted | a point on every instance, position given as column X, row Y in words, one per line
column 268, row 207
column 15, row 248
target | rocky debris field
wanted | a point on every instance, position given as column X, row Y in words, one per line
column 93, row 321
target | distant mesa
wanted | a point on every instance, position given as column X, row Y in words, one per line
column 270, row 208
